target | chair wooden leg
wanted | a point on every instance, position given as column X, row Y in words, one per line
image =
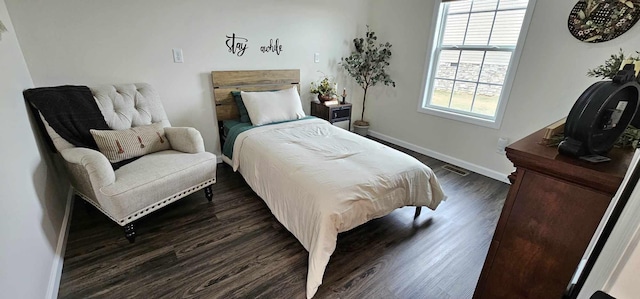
column 418, row 210
column 130, row 232
column 208, row 192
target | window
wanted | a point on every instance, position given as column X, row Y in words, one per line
column 473, row 59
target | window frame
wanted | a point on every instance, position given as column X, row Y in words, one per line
column 434, row 47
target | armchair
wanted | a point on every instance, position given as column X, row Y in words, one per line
column 150, row 182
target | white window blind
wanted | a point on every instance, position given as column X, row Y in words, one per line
column 474, row 48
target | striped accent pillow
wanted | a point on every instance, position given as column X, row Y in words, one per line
column 118, row 145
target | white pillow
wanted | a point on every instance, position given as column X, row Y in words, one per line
column 267, row 107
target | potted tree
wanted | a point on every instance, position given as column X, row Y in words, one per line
column 367, row 64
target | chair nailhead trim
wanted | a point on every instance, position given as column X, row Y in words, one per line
column 165, row 202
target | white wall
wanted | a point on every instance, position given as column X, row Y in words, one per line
column 103, row 42
column 32, row 204
column 626, row 285
column 550, row 77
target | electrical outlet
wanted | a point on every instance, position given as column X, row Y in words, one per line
column 316, row 57
column 502, row 144
column 177, row 56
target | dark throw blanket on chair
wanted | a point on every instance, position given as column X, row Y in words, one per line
column 70, row 110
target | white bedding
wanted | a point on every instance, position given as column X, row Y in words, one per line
column 320, row 180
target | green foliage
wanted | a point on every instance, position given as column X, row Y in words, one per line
column 367, row 63
column 326, row 86
column 629, row 137
column 611, row 66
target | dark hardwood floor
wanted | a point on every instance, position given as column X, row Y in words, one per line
column 235, row 248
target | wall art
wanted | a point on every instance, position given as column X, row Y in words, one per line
column 596, row 21
column 272, row 47
column 237, row 45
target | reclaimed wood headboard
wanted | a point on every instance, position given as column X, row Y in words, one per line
column 224, row 82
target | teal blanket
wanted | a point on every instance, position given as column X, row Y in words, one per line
column 234, row 131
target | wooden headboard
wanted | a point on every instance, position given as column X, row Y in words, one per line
column 224, row 82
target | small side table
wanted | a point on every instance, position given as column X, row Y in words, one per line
column 333, row 113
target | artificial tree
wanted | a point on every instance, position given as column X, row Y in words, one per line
column 367, row 65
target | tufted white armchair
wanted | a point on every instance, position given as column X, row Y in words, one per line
column 149, row 183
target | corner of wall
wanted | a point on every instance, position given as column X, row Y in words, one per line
column 28, row 249
column 58, row 262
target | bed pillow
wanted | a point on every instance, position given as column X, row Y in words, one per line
column 267, row 107
column 244, row 115
column 119, row 145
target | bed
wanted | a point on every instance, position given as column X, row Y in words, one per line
column 318, row 180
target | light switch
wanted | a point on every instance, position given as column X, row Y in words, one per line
column 316, row 57
column 177, row 56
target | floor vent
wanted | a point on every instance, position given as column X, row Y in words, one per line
column 457, row 170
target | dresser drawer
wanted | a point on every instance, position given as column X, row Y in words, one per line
column 332, row 113
column 339, row 113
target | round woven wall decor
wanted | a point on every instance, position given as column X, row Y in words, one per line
column 596, row 21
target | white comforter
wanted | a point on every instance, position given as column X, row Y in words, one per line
column 320, row 180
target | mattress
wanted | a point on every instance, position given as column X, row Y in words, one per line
column 319, row 180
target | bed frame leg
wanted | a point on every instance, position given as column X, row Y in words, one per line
column 418, row 210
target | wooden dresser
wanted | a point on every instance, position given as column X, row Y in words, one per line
column 552, row 210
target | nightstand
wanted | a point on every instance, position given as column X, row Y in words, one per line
column 333, row 113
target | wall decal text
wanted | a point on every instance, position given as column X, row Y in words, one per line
column 277, row 47
column 237, row 45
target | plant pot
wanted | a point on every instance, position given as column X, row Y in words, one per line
column 360, row 129
column 323, row 98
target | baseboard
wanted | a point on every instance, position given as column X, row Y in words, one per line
column 442, row 157
column 58, row 259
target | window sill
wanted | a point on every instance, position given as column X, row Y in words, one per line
column 494, row 124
